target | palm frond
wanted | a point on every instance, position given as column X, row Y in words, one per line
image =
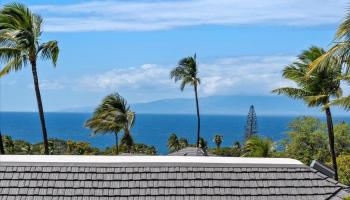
column 7, row 53
column 343, row 102
column 317, row 100
column 111, row 116
column 14, row 64
column 321, row 61
column 49, row 51
column 295, row 93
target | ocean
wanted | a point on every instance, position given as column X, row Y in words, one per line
column 151, row 129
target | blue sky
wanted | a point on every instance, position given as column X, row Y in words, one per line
column 130, row 47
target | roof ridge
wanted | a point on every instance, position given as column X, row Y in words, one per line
column 145, row 159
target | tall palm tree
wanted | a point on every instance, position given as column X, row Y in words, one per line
column 20, row 34
column 112, row 116
column 319, row 89
column 187, row 72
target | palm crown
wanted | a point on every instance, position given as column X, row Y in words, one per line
column 112, row 116
column 186, row 72
column 316, row 89
column 20, row 32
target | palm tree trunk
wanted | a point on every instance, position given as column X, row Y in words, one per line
column 116, row 143
column 331, row 142
column 198, row 116
column 2, row 150
column 40, row 106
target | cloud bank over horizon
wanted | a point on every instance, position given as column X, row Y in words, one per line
column 249, row 75
column 163, row 15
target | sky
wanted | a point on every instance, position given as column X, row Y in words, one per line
column 130, row 47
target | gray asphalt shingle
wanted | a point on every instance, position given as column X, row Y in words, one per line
column 164, row 181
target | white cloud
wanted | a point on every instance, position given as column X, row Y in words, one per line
column 143, row 77
column 244, row 75
column 160, row 15
column 229, row 76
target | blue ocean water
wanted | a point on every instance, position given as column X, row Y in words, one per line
column 149, row 128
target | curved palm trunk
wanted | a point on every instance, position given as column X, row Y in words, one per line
column 2, row 150
column 116, row 143
column 198, row 116
column 40, row 106
column 331, row 142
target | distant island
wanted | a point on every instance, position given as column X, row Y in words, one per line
column 221, row 105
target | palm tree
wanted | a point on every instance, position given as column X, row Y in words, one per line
column 112, row 116
column 258, row 147
column 187, row 72
column 20, row 32
column 173, row 143
column 218, row 140
column 318, row 89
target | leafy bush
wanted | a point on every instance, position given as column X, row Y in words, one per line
column 343, row 162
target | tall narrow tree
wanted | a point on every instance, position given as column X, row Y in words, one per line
column 112, row 116
column 319, row 89
column 251, row 128
column 187, row 72
column 20, row 35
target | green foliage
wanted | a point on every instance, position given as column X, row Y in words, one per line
column 218, row 140
column 258, row 147
column 342, row 138
column 20, row 36
column 186, row 72
column 173, row 143
column 144, row 149
column 316, row 88
column 343, row 162
column 80, row 148
column 112, row 116
column 69, row 147
column 9, row 145
column 236, row 149
column 22, row 147
column 203, row 143
column 224, row 151
column 307, row 140
column 183, row 143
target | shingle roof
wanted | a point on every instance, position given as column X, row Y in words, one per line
column 224, row 178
